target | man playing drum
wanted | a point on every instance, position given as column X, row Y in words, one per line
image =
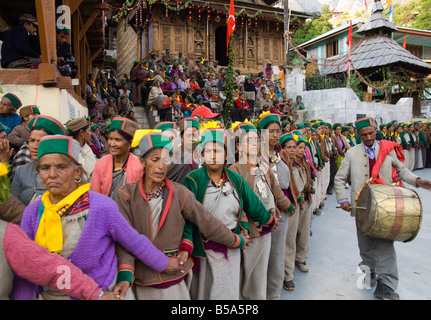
column 378, row 254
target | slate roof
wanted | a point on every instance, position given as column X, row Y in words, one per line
column 377, row 21
column 378, row 49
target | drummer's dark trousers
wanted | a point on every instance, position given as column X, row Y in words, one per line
column 380, row 256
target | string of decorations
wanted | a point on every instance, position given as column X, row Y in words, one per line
column 177, row 6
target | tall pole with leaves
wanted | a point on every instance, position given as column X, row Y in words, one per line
column 229, row 74
column 229, row 102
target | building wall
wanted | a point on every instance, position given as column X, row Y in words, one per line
column 53, row 102
column 253, row 47
column 128, row 47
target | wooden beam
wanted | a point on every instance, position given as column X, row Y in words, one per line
column 99, row 6
column 88, row 23
column 45, row 11
column 94, row 56
column 73, row 5
column 76, row 50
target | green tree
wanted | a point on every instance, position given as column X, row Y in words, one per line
column 423, row 19
column 318, row 25
column 405, row 14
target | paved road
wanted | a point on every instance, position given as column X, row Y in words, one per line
column 334, row 257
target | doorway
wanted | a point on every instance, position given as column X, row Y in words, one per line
column 220, row 46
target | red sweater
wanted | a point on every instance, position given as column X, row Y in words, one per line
column 36, row 264
column 242, row 104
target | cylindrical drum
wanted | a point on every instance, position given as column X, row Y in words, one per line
column 389, row 212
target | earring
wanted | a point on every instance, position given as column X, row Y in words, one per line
column 78, row 180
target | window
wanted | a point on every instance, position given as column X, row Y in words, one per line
column 331, row 49
column 415, row 50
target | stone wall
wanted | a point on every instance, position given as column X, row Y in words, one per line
column 343, row 105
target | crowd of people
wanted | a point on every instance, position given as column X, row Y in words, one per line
column 194, row 208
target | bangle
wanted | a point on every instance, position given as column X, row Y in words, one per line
column 101, row 294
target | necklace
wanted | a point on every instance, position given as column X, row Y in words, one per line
column 157, row 193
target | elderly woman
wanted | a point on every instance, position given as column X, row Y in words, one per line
column 227, row 196
column 298, row 232
column 261, row 179
column 156, row 96
column 80, row 130
column 160, row 209
column 82, row 226
column 120, row 166
column 26, row 184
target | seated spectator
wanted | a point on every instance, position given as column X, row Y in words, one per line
column 184, row 82
column 187, row 107
column 21, row 132
column 19, row 50
column 298, row 104
column 95, row 112
column 65, row 60
column 131, row 116
column 193, row 83
column 156, row 96
column 124, row 91
column 167, row 86
column 176, row 83
column 110, row 110
column 10, row 103
column 124, row 106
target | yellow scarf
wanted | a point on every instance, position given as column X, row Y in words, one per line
column 50, row 233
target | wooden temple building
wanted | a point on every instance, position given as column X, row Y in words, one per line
column 198, row 29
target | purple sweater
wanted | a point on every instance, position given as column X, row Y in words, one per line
column 95, row 251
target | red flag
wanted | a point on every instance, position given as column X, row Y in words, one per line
column 230, row 25
column 405, row 43
column 349, row 43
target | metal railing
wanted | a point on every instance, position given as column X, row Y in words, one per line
column 321, row 82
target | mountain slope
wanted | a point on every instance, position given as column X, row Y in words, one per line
column 338, row 5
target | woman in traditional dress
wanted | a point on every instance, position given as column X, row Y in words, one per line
column 277, row 159
column 120, row 166
column 227, row 196
column 298, row 232
column 80, row 130
column 262, row 180
column 162, row 210
column 26, row 184
column 339, row 142
column 184, row 160
column 82, row 226
column 156, row 97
